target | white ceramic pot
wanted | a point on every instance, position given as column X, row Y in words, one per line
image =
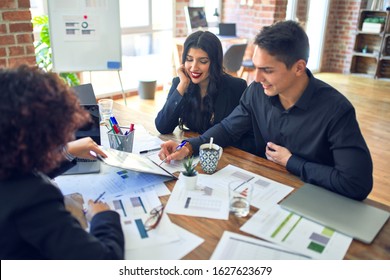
column 189, row 181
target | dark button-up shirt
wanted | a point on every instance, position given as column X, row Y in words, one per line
column 320, row 130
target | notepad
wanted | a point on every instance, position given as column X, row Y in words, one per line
column 354, row 218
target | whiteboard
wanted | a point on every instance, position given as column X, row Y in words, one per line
column 85, row 35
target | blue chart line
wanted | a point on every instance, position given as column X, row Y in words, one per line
column 137, row 202
column 118, row 205
column 141, row 228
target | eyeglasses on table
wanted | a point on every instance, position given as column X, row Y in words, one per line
column 154, row 218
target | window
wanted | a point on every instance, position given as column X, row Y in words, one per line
column 313, row 16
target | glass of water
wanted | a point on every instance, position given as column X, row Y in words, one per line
column 240, row 195
column 105, row 109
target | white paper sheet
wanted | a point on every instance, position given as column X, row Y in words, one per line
column 297, row 233
column 112, row 180
column 266, row 192
column 170, row 251
column 173, row 166
column 210, row 201
column 234, row 246
column 134, row 211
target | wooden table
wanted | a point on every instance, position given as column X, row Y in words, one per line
column 211, row 230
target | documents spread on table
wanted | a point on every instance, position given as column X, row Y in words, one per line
column 211, row 199
column 298, row 234
column 134, row 211
column 135, row 196
column 112, row 180
column 171, row 251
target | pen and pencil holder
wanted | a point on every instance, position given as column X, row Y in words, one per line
column 121, row 142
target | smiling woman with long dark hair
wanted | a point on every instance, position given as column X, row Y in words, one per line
column 203, row 94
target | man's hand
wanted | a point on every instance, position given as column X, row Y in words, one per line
column 277, row 154
column 168, row 151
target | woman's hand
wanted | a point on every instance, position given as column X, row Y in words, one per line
column 94, row 208
column 81, row 148
column 184, row 80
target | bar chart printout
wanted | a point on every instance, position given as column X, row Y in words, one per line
column 233, row 246
column 298, row 234
column 134, row 210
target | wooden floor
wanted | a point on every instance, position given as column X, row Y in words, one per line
column 371, row 99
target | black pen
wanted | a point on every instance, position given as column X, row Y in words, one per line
column 99, row 197
column 151, row 150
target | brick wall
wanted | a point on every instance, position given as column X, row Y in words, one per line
column 250, row 20
column 340, row 35
column 180, row 21
column 16, row 39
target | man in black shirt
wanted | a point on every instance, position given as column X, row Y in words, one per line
column 298, row 121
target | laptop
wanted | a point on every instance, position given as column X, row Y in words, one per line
column 85, row 94
column 354, row 218
column 227, row 30
column 87, row 99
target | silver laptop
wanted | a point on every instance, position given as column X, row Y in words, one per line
column 354, row 218
column 87, row 99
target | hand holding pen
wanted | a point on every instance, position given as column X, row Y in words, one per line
column 170, row 151
column 96, row 206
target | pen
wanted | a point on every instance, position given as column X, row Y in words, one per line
column 99, row 197
column 116, row 125
column 151, row 150
column 178, row 148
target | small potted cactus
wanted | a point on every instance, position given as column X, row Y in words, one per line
column 189, row 175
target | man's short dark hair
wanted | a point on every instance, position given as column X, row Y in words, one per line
column 286, row 40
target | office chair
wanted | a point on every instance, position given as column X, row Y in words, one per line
column 232, row 59
column 247, row 67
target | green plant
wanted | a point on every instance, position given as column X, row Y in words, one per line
column 43, row 51
column 189, row 167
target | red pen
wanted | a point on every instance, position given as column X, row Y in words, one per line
column 116, row 129
column 131, row 127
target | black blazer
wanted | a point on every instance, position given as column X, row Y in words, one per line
column 227, row 99
column 34, row 224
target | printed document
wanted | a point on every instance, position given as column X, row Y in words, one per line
column 266, row 192
column 209, row 200
column 134, row 210
column 113, row 181
column 170, row 251
column 234, row 246
column 298, row 234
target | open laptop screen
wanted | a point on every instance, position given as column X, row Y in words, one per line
column 92, row 129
